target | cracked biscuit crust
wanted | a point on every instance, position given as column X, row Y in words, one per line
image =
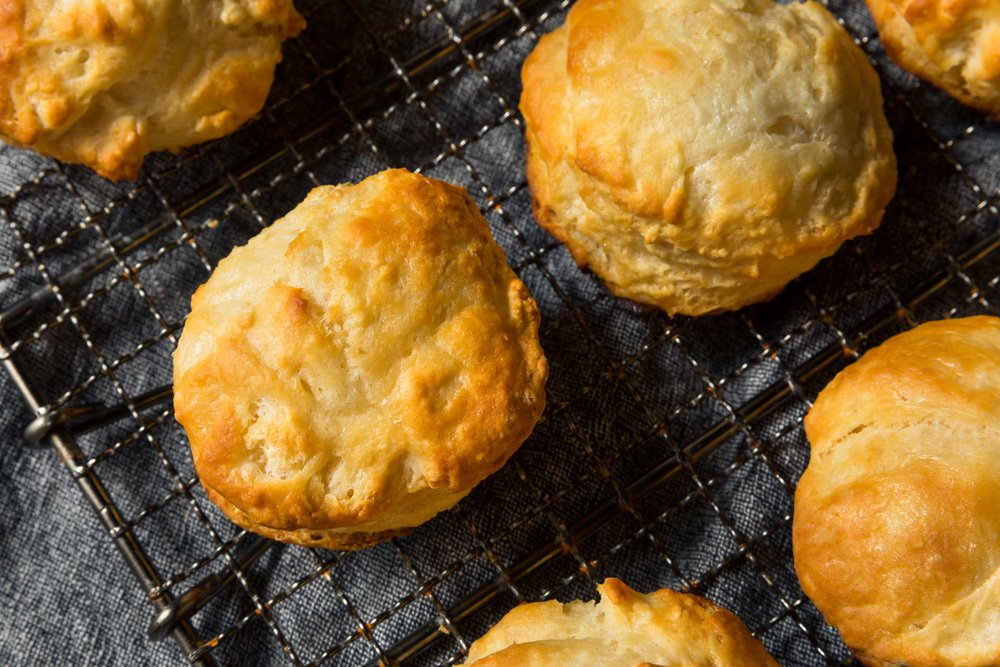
column 896, row 535
column 699, row 154
column 954, row 44
column 625, row 629
column 360, row 365
column 104, row 83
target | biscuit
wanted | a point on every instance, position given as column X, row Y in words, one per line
column 359, row 365
column 624, row 629
column 954, row 44
column 896, row 531
column 104, row 83
column 699, row 154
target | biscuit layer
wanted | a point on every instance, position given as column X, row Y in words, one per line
column 954, row 44
column 104, row 83
column 896, row 534
column 359, row 365
column 699, row 154
column 624, row 629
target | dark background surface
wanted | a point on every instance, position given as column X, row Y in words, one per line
column 630, row 389
column 65, row 595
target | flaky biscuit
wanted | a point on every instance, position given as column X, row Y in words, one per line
column 954, row 44
column 896, row 531
column 359, row 365
column 699, row 154
column 104, row 83
column 624, row 629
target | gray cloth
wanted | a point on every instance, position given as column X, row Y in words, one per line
column 65, row 596
column 631, row 391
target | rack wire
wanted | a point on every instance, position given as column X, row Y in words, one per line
column 670, row 448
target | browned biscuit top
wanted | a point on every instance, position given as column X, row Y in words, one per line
column 624, row 629
column 954, row 44
column 361, row 364
column 896, row 534
column 699, row 154
column 104, row 83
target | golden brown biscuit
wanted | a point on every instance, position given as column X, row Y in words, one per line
column 954, row 44
column 624, row 629
column 360, row 365
column 104, row 83
column 699, row 154
column 896, row 533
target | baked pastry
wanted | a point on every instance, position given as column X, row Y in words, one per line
column 358, row 366
column 699, row 154
column 104, row 83
column 624, row 629
column 896, row 531
column 954, row 44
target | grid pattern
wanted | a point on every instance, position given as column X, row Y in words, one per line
column 670, row 448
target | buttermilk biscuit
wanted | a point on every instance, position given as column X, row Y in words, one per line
column 358, row 366
column 896, row 533
column 699, row 154
column 954, row 44
column 104, row 83
column 624, row 629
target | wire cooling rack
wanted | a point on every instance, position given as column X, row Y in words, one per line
column 670, row 448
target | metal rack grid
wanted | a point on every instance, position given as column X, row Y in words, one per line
column 670, row 448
